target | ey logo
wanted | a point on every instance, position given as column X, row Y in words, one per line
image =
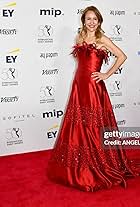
column 52, row 132
column 12, row 56
column 7, row 10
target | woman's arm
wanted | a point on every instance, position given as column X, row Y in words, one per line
column 120, row 58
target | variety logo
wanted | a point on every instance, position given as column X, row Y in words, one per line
column 52, row 132
column 18, row 118
column 51, row 12
column 50, row 71
column 6, row 12
column 48, row 55
column 9, row 99
column 14, row 136
column 44, row 34
column 8, row 32
column 117, row 12
column 115, row 88
column 54, row 113
column 47, row 94
column 121, row 122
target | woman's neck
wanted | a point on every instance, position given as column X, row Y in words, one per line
column 91, row 35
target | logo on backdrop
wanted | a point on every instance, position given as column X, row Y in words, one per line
column 53, row 114
column 116, row 32
column 9, row 99
column 80, row 11
column 10, row 58
column 8, row 10
column 118, row 106
column 121, row 122
column 50, row 71
column 47, row 94
column 115, row 88
column 8, row 32
column 52, row 132
column 119, row 71
column 110, row 54
column 48, row 55
column 18, row 118
column 51, row 12
column 45, row 33
column 117, row 12
column 9, row 76
column 137, row 104
column 136, row 13
column 14, row 136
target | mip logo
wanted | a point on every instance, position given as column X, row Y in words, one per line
column 51, row 12
column 7, row 10
column 45, row 30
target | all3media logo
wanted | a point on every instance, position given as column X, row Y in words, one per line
column 7, row 10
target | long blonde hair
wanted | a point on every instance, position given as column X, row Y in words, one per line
column 99, row 31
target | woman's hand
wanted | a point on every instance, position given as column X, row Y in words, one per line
column 99, row 76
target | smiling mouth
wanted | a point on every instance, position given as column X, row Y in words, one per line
column 91, row 26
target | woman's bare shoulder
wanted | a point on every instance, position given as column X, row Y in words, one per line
column 78, row 39
column 105, row 39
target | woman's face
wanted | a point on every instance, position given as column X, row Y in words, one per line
column 91, row 21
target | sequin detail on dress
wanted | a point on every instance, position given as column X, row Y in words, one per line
column 90, row 116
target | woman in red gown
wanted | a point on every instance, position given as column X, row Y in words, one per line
column 78, row 158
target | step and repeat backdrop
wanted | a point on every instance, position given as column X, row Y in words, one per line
column 37, row 68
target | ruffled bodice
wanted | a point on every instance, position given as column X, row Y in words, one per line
column 89, row 56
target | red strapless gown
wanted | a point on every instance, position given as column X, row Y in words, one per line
column 78, row 158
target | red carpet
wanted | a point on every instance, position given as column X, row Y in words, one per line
column 23, row 183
